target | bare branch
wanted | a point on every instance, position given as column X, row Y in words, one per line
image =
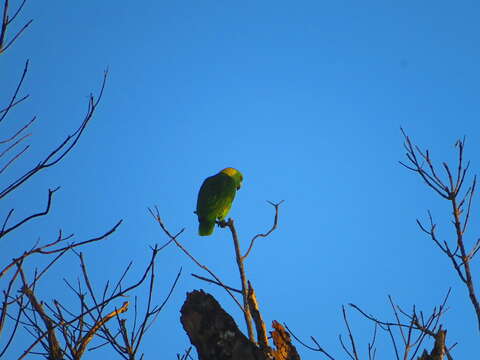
column 43, row 249
column 64, row 148
column 89, row 310
column 469, row 206
column 83, row 344
column 428, row 327
column 20, row 7
column 398, row 320
column 274, row 226
column 25, row 97
column 14, row 144
column 371, row 345
column 457, row 201
column 28, row 218
column 14, row 158
column 216, row 283
column 260, row 327
column 318, row 348
column 6, row 21
column 243, row 279
column 15, row 93
column 352, row 341
column 432, row 180
column 54, row 350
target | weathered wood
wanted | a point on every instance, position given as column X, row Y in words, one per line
column 284, row 348
column 213, row 332
column 260, row 327
column 438, row 351
column 216, row 336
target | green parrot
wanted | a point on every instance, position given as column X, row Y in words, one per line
column 215, row 198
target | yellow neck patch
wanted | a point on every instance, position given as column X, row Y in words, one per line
column 229, row 171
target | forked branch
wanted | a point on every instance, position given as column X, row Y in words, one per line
column 449, row 188
column 79, row 327
column 4, row 231
column 274, row 226
column 6, row 21
column 412, row 328
column 57, row 154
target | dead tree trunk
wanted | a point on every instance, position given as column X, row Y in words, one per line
column 216, row 336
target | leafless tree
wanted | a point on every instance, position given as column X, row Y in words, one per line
column 449, row 183
column 450, row 187
column 64, row 333
column 57, row 330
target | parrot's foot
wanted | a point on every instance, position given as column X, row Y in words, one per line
column 222, row 223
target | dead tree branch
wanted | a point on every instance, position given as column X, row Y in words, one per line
column 260, row 327
column 48, row 249
column 317, row 348
column 274, row 226
column 6, row 21
column 13, row 99
column 412, row 327
column 4, row 231
column 57, row 154
column 216, row 283
column 285, row 350
column 79, row 328
column 243, row 278
column 450, row 189
column 353, row 352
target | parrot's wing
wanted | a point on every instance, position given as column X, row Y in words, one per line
column 215, row 197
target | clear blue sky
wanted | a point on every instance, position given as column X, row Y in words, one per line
column 306, row 99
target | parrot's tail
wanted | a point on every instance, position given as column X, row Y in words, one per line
column 206, row 228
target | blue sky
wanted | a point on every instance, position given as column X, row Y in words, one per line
column 305, row 98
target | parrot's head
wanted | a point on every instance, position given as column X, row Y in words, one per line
column 235, row 175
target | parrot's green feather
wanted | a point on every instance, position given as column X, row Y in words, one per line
column 215, row 198
column 206, row 228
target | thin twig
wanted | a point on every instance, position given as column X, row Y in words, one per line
column 216, row 283
column 274, row 226
column 15, row 93
column 28, row 218
column 318, row 348
column 42, row 249
column 65, row 147
column 352, row 341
